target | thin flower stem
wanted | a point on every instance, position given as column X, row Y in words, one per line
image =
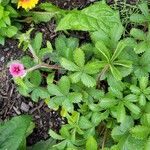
column 102, row 73
column 104, row 139
column 33, row 53
column 43, row 65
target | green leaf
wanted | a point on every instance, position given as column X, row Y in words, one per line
column 54, row 135
column 103, row 50
column 50, row 78
column 123, row 63
column 94, row 67
column 142, row 100
column 120, row 47
column 138, row 34
column 141, row 47
column 14, row 131
column 64, row 131
column 98, row 117
column 37, row 42
column 1, row 11
column 9, row 31
column 39, row 93
column 2, row 40
column 69, row 65
column 66, row 46
column 134, row 89
column 143, row 82
column 131, row 98
column 87, row 80
column 138, row 18
column 75, row 77
column 76, row 20
column 107, row 102
column 133, row 108
column 68, row 105
column 144, row 8
column 51, row 103
column 140, row 132
column 147, row 144
column 54, row 90
column 64, row 85
column 115, row 72
column 116, row 33
column 79, row 57
column 50, row 7
column 75, row 97
column 121, row 113
column 35, row 77
column 45, row 51
column 44, row 145
column 84, row 123
column 38, row 17
column 91, row 144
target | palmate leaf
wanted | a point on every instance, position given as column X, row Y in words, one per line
column 90, row 19
column 77, row 20
column 65, row 46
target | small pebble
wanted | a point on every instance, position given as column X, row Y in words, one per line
column 24, row 107
column 2, row 58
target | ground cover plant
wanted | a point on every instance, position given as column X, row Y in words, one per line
column 100, row 86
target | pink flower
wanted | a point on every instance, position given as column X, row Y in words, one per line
column 16, row 69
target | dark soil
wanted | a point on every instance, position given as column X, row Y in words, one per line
column 11, row 102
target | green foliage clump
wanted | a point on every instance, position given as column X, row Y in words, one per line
column 102, row 87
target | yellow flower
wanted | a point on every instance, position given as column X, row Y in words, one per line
column 27, row 4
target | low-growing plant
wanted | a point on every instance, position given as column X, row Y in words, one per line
column 100, row 87
column 7, row 26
